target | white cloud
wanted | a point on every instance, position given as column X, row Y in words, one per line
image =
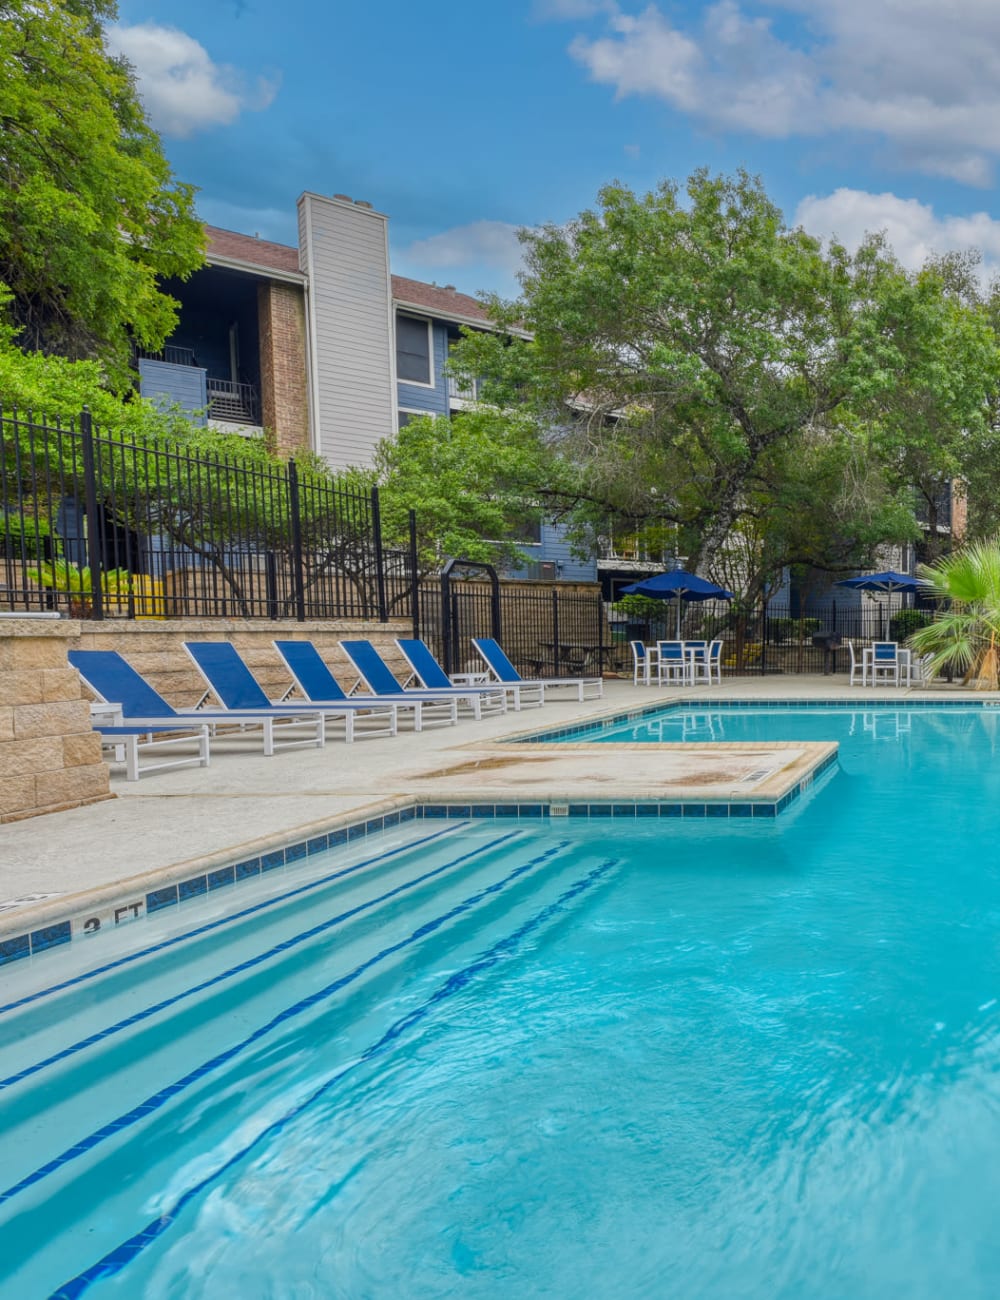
column 912, row 228
column 182, row 89
column 481, row 243
column 923, row 76
column 562, row 9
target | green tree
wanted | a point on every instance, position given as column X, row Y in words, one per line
column 700, row 357
column 932, row 424
column 91, row 218
column 472, row 479
column 965, row 637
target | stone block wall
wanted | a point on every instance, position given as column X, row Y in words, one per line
column 156, row 650
column 50, row 758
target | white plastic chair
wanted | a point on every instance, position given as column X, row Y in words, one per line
column 708, row 667
column 885, row 662
column 641, row 664
column 671, row 663
column 857, row 677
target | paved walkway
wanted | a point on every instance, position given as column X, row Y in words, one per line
column 171, row 817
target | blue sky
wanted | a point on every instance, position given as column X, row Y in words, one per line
column 465, row 121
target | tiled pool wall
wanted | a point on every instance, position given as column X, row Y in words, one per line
column 84, row 923
column 583, row 730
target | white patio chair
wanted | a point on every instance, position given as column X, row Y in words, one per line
column 707, row 668
column 641, row 664
column 885, row 662
column 672, row 663
column 857, row 677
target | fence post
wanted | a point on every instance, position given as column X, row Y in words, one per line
column 446, row 646
column 414, row 575
column 383, row 608
column 91, row 511
column 555, row 629
column 295, row 518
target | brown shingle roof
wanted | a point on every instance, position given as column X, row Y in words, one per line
column 437, row 299
column 433, row 298
column 245, row 248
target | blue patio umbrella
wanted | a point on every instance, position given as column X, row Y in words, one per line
column 677, row 585
column 884, row 583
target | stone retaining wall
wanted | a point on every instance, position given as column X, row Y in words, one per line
column 50, row 758
column 156, row 649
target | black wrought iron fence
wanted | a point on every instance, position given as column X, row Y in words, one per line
column 94, row 524
column 557, row 632
column 547, row 632
column 771, row 640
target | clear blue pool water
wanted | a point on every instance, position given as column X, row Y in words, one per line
column 724, row 1060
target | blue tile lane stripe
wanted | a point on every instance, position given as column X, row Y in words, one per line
column 229, row 919
column 160, row 1098
column 285, row 946
column 117, row 1259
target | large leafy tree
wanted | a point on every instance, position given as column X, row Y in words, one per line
column 690, row 356
column 91, row 218
column 933, row 423
column 472, row 479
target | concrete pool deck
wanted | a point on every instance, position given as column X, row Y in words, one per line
column 244, row 801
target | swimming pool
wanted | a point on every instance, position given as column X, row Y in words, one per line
column 576, row 1058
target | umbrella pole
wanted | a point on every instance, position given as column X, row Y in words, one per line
column 678, row 616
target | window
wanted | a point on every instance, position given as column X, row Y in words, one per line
column 413, row 350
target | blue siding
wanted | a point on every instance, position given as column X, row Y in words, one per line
column 556, row 547
column 433, row 400
column 167, row 384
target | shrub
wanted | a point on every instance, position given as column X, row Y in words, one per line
column 907, row 621
column 792, row 629
column 25, row 537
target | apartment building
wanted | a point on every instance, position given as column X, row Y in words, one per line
column 322, row 345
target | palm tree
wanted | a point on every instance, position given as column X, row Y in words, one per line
column 965, row 636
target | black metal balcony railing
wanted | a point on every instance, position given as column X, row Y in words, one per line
column 169, row 353
column 236, row 402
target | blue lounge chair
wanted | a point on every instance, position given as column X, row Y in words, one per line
column 128, row 744
column 238, row 691
column 504, row 671
column 317, row 683
column 438, row 708
column 117, row 682
column 144, row 713
column 430, row 676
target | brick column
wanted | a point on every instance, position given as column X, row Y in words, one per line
column 284, row 394
column 50, row 758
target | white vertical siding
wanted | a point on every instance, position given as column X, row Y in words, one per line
column 343, row 248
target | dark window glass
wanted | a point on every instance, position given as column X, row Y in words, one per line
column 413, row 355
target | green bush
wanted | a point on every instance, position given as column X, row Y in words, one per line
column 23, row 537
column 907, row 621
column 792, row 629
